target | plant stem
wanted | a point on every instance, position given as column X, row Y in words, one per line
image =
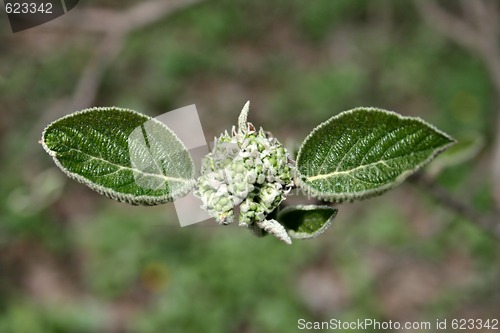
column 488, row 222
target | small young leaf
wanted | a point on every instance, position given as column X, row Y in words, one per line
column 122, row 154
column 276, row 229
column 306, row 221
column 364, row 152
column 242, row 119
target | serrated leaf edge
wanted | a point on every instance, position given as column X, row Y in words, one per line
column 106, row 191
column 341, row 197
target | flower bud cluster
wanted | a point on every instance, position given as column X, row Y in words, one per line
column 249, row 169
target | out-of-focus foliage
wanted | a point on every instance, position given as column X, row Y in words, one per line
column 77, row 262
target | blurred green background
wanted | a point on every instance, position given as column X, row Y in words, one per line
column 73, row 261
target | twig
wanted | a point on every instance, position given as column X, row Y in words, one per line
column 478, row 32
column 133, row 19
column 115, row 27
column 490, row 222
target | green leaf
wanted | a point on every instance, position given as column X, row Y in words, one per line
column 306, row 221
column 364, row 152
column 122, row 154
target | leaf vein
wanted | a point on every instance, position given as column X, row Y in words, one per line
column 348, row 172
column 167, row 178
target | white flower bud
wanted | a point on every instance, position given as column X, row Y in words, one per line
column 247, row 169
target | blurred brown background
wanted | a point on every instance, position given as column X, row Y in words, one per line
column 73, row 261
